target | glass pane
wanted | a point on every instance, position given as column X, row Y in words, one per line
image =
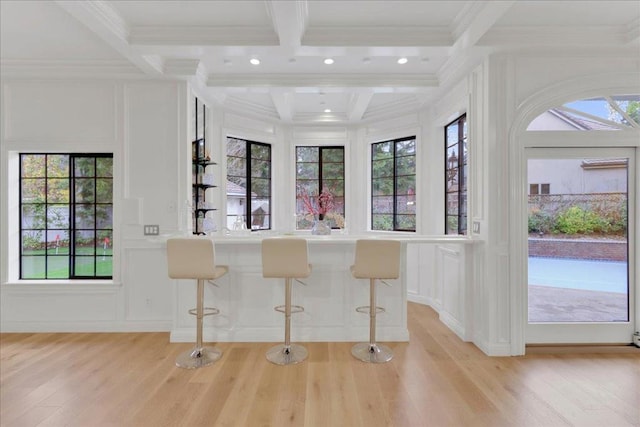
column 104, row 267
column 104, row 189
column 260, row 169
column 236, row 148
column 307, row 171
column 406, row 148
column 332, row 171
column 630, row 104
column 382, row 168
column 452, row 203
column 406, row 165
column 452, row 134
column 382, row 204
column 452, row 157
column 104, row 214
column 33, row 242
column 33, row 267
column 58, row 216
column 85, row 190
column 382, row 222
column 452, row 225
column 33, row 190
column 406, row 222
column 236, row 186
column 405, row 205
column 406, row 185
column 58, row 190
column 57, row 242
column 236, row 166
column 335, row 186
column 85, row 166
column 578, row 247
column 259, row 151
column 104, row 242
column 307, row 187
column 84, row 266
column 104, row 166
column 333, row 155
column 259, row 214
column 382, row 150
column 57, row 267
column 33, row 216
column 85, row 243
column 85, row 216
column 307, row 154
column 33, row 165
column 57, row 166
column 260, row 187
column 383, row 187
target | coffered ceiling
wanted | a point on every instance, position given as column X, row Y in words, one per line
column 210, row 43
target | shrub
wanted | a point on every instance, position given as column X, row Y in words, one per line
column 539, row 221
column 576, row 220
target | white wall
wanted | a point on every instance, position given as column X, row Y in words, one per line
column 142, row 124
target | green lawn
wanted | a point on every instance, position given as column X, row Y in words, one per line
column 57, row 264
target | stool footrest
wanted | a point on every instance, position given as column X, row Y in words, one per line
column 206, row 311
column 294, row 308
column 367, row 309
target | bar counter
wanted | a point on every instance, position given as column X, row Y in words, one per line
column 330, row 295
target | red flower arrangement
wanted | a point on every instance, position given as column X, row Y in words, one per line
column 319, row 205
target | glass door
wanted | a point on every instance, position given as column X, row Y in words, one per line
column 580, row 239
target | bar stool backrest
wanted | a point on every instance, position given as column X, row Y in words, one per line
column 285, row 257
column 377, row 259
column 191, row 258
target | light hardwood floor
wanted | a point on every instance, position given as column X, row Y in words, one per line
column 435, row 380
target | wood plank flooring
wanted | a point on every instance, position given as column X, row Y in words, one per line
column 435, row 380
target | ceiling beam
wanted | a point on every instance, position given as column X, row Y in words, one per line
column 358, row 104
column 283, row 101
column 475, row 21
column 290, row 19
column 184, row 35
column 380, row 36
column 101, row 18
column 382, row 83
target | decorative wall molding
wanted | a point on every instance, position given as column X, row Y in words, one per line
column 68, row 69
column 554, row 36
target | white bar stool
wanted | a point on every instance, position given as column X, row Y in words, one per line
column 286, row 258
column 375, row 259
column 194, row 258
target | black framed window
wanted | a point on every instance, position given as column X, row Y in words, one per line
column 455, row 134
column 66, row 216
column 318, row 169
column 393, row 184
column 248, row 184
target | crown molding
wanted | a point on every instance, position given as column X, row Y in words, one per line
column 151, row 35
column 377, row 36
column 554, row 35
column 289, row 19
column 465, row 18
column 244, row 107
column 26, row 69
column 394, row 108
column 318, row 118
column 323, row 80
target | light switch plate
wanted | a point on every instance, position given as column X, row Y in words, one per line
column 151, row 230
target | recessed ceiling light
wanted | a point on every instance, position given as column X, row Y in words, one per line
column 292, row 60
column 327, row 110
column 366, row 60
column 402, row 61
column 226, row 61
column 425, row 59
column 254, row 61
column 328, row 61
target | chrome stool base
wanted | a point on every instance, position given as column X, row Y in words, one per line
column 280, row 355
column 198, row 357
column 372, row 353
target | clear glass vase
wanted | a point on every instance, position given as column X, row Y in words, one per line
column 320, row 227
